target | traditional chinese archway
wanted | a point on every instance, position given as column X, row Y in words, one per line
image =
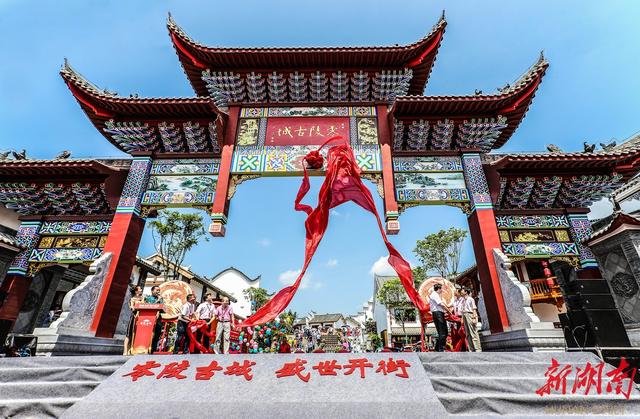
column 258, row 111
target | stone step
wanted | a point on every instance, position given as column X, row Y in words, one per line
column 480, row 370
column 63, row 361
column 512, row 385
column 513, row 357
column 50, row 374
column 36, row 408
column 531, row 404
column 45, row 390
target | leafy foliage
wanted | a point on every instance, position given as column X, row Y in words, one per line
column 257, row 296
column 174, row 234
column 288, row 318
column 376, row 341
column 393, row 296
column 440, row 252
column 370, row 326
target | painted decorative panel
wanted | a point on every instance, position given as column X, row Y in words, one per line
column 135, row 185
column 288, row 159
column 427, row 164
column 531, row 221
column 275, row 140
column 540, row 249
column 580, row 231
column 185, row 166
column 367, row 131
column 524, row 236
column 65, row 255
column 180, row 190
column 248, row 132
column 75, row 227
column 76, row 241
column 476, row 181
column 27, row 236
column 429, row 179
column 182, row 182
column 434, row 186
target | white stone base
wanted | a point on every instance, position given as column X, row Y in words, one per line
column 50, row 343
column 634, row 336
column 541, row 337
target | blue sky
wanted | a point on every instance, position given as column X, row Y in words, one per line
column 590, row 93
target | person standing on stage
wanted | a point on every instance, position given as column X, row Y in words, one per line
column 186, row 315
column 155, row 298
column 136, row 298
column 438, row 309
column 206, row 312
column 470, row 321
column 224, row 315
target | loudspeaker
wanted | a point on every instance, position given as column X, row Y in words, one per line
column 608, row 328
column 577, row 329
column 592, row 316
column 589, row 286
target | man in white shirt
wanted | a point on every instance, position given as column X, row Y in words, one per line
column 186, row 315
column 470, row 321
column 438, row 309
column 205, row 311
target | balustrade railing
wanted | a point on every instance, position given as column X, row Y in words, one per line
column 541, row 292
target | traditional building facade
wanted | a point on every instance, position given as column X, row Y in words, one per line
column 259, row 111
column 199, row 284
column 235, row 282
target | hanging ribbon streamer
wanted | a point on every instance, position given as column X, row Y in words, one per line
column 192, row 328
column 342, row 183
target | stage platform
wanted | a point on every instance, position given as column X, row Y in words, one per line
column 427, row 385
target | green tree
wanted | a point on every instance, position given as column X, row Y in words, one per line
column 375, row 340
column 393, row 296
column 174, row 234
column 257, row 296
column 419, row 275
column 370, row 326
column 288, row 318
column 440, row 252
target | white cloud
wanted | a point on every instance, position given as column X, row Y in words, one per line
column 264, row 242
column 335, row 212
column 332, row 263
column 381, row 267
column 290, row 276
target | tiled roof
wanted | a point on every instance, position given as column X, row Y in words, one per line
column 512, row 102
column 196, row 57
column 609, row 224
column 326, row 318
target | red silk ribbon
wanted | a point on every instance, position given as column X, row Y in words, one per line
column 192, row 328
column 342, row 183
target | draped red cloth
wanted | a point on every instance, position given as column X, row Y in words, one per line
column 192, row 328
column 342, row 183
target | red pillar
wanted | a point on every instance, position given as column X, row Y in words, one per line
column 122, row 242
column 484, row 234
column 220, row 207
column 390, row 203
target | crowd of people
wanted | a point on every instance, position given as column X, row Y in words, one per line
column 190, row 313
column 310, row 339
column 456, row 326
